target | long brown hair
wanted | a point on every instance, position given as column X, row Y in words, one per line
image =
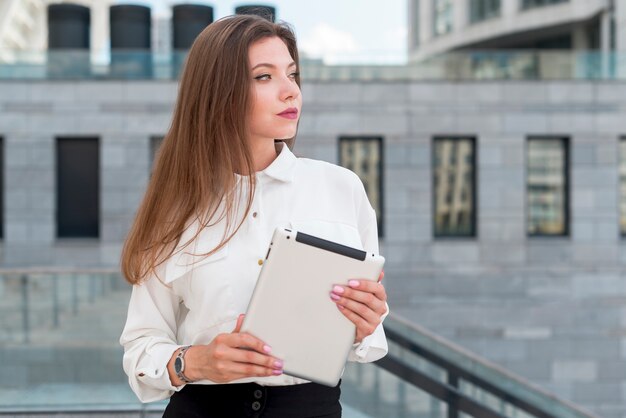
column 194, row 171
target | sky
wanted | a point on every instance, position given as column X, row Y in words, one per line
column 339, row 31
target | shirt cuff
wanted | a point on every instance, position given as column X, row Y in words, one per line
column 373, row 347
column 155, row 373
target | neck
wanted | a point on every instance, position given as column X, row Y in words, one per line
column 263, row 153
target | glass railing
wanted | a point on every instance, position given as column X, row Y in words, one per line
column 80, row 65
column 59, row 345
column 462, row 65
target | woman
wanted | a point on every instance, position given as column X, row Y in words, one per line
column 220, row 185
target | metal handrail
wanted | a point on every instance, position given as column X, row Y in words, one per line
column 462, row 364
column 456, row 400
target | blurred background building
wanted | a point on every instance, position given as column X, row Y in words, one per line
column 447, row 25
column 24, row 24
column 495, row 160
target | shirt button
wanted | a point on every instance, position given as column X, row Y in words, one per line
column 258, row 394
column 254, row 214
column 260, row 262
column 256, row 405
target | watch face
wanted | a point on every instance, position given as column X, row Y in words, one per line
column 178, row 365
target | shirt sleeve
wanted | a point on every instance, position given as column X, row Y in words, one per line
column 374, row 346
column 149, row 340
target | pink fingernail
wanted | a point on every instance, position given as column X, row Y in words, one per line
column 340, row 307
column 353, row 283
column 267, row 348
column 334, row 296
column 338, row 289
column 277, row 372
column 278, row 364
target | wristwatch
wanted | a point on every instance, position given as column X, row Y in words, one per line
column 179, row 365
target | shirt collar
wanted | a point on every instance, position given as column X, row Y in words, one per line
column 283, row 166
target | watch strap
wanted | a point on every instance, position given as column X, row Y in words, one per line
column 181, row 357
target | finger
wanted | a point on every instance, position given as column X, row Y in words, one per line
column 364, row 297
column 368, row 300
column 252, row 357
column 364, row 328
column 245, row 340
column 376, row 288
column 239, row 322
column 241, row 370
column 382, row 276
column 360, row 309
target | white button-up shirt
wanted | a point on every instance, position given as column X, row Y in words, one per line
column 192, row 303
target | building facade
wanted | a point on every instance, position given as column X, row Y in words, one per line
column 439, row 26
column 501, row 203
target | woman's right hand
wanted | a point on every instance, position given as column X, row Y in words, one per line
column 230, row 357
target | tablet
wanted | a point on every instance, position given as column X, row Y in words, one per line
column 291, row 309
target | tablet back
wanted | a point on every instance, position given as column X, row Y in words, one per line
column 291, row 309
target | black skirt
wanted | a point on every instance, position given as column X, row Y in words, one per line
column 307, row 400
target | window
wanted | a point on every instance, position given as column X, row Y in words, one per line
column 454, row 187
column 483, row 9
column 547, row 186
column 622, row 185
column 364, row 156
column 77, row 186
column 530, row 4
column 442, row 17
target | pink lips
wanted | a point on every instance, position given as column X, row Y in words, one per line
column 290, row 113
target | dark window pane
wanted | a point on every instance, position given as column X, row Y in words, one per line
column 454, row 187
column 529, row 4
column 78, row 187
column 484, row 9
column 547, row 186
column 364, row 157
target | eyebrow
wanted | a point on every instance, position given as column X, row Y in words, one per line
column 264, row 64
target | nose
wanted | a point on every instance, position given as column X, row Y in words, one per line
column 289, row 89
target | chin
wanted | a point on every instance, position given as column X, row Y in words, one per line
column 284, row 135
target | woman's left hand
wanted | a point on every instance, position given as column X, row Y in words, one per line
column 363, row 303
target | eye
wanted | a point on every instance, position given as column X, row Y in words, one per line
column 294, row 75
column 262, row 77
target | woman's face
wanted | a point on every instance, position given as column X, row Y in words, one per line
column 275, row 96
